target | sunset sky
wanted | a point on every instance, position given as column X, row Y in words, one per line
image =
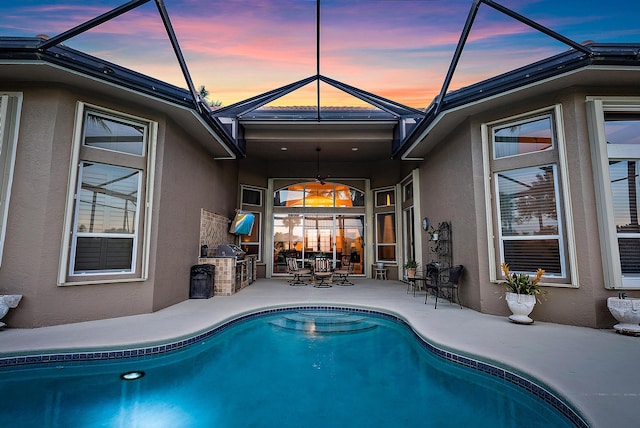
column 399, row 49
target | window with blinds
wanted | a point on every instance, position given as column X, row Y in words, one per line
column 622, row 131
column 527, row 209
column 528, row 219
column 110, row 205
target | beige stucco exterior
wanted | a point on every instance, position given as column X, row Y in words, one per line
column 187, row 179
column 453, row 180
column 190, row 175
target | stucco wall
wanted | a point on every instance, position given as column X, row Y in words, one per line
column 447, row 194
column 452, row 180
column 35, row 223
column 190, row 180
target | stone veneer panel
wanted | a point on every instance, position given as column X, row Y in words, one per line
column 225, row 281
column 214, row 230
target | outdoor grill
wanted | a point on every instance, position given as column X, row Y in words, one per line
column 230, row 250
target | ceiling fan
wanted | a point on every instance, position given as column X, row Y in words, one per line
column 319, row 178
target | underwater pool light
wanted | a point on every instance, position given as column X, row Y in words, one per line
column 133, row 375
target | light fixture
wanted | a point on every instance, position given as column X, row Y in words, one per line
column 354, row 149
column 132, row 375
column 284, row 149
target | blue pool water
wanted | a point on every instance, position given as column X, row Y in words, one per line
column 285, row 369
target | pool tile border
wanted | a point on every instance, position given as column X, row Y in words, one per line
column 509, row 376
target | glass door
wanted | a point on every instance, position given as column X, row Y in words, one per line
column 350, row 240
column 319, row 237
column 310, row 235
column 287, row 240
column 409, row 235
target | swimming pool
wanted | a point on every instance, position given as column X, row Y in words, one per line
column 307, row 366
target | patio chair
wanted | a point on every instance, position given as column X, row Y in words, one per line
column 296, row 271
column 322, row 272
column 346, row 269
column 424, row 279
column 452, row 283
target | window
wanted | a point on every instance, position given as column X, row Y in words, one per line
column 251, row 243
column 318, row 195
column 616, row 142
column 407, row 189
column 386, row 237
column 385, row 198
column 251, row 196
column 518, row 138
column 528, row 219
column 252, row 201
column 528, row 195
column 106, row 215
column 623, row 176
column 109, row 209
column 111, row 134
column 10, row 105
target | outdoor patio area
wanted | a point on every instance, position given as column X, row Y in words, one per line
column 594, row 369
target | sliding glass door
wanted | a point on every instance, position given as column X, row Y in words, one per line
column 307, row 236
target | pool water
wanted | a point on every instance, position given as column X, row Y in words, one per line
column 288, row 369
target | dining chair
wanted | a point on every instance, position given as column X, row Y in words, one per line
column 296, row 271
column 322, row 272
column 452, row 283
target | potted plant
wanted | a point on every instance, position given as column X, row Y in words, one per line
column 411, row 266
column 522, row 292
column 433, row 233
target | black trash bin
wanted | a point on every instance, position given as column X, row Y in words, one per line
column 202, row 281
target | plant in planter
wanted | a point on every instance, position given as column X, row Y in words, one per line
column 522, row 292
column 411, row 266
column 434, row 235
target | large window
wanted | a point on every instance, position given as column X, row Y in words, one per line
column 386, row 237
column 318, row 195
column 528, row 219
column 527, row 195
column 104, row 238
column 616, row 144
column 251, row 200
column 9, row 122
column 109, row 207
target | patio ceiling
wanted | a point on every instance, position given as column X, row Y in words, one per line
column 337, row 140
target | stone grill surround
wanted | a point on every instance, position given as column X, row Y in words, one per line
column 214, row 230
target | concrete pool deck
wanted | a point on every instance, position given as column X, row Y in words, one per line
column 593, row 369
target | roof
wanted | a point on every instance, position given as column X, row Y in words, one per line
column 18, row 52
column 225, row 126
column 602, row 56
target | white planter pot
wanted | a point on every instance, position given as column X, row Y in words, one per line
column 627, row 312
column 521, row 306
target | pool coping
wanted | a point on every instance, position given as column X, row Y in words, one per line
column 502, row 371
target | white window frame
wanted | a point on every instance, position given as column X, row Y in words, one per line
column 391, row 190
column 255, row 189
column 10, row 113
column 143, row 226
column 258, row 243
column 559, row 236
column 75, row 234
column 528, row 119
column 395, row 231
column 600, row 155
column 568, row 240
column 247, row 207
